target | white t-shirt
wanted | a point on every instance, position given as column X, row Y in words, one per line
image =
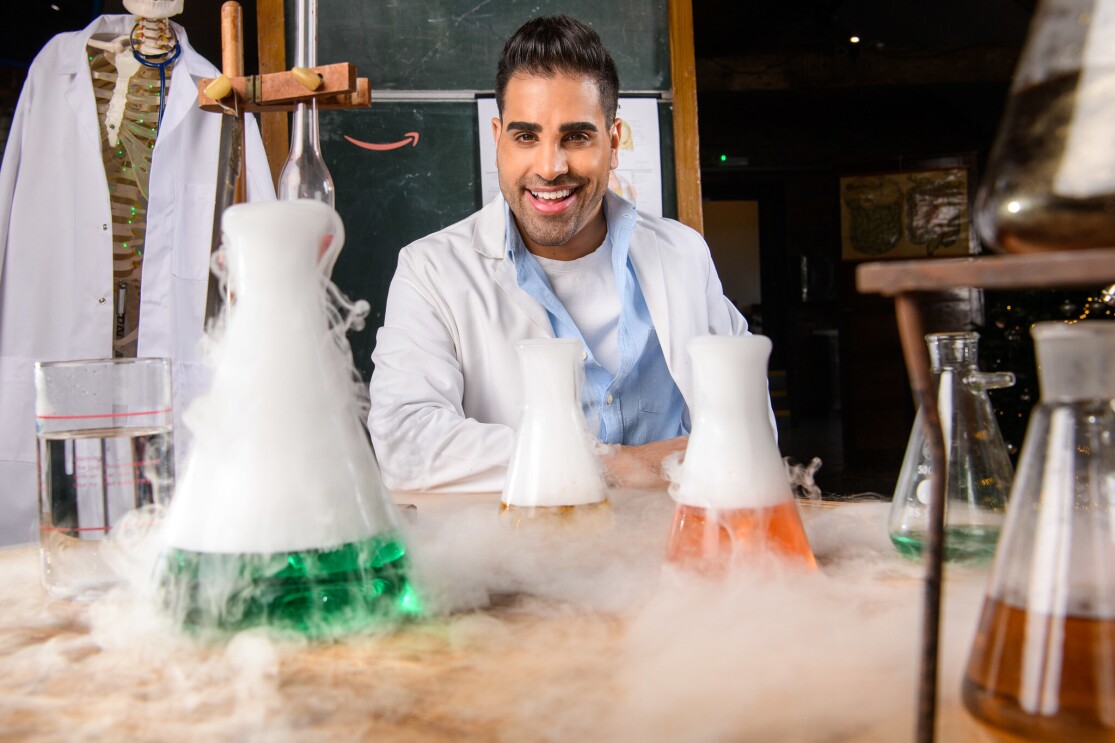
column 587, row 288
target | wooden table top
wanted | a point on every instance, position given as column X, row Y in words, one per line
column 590, row 641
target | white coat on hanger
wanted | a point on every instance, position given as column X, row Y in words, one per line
column 56, row 242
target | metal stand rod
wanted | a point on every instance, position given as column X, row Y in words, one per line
column 912, row 332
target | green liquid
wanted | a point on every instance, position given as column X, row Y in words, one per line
column 971, row 544
column 316, row 592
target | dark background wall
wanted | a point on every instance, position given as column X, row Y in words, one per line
column 787, row 104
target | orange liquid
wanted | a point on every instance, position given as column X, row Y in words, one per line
column 710, row 540
column 1073, row 673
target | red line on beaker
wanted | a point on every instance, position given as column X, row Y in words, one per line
column 104, row 415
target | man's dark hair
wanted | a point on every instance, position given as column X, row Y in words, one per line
column 556, row 44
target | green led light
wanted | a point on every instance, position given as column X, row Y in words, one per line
column 723, row 158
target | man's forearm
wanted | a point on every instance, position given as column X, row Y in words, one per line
column 641, row 466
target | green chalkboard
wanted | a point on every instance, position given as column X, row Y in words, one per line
column 455, row 44
column 447, row 50
column 391, row 198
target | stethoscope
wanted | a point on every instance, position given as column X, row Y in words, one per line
column 165, row 60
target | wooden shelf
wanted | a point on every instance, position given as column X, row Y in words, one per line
column 1016, row 271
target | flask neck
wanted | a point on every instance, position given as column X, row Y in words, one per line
column 730, row 379
column 305, row 175
column 304, row 134
column 952, row 350
column 732, row 460
column 1077, row 361
column 272, row 251
column 305, row 49
column 304, row 129
column 550, row 373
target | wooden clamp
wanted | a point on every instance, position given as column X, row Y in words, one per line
column 282, row 91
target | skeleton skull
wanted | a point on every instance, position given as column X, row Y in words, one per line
column 154, row 8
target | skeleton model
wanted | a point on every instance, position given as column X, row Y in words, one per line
column 131, row 79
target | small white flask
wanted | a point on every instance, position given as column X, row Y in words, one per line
column 554, row 469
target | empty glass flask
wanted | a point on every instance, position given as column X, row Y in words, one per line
column 1042, row 665
column 1050, row 181
column 977, row 468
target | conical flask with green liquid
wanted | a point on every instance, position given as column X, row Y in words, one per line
column 281, row 518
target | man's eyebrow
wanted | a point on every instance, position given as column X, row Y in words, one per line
column 523, row 126
column 578, row 126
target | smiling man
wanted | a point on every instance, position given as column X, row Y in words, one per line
column 556, row 255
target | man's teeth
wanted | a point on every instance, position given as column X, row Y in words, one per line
column 551, row 195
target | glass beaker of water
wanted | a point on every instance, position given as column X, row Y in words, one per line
column 105, row 447
column 1042, row 665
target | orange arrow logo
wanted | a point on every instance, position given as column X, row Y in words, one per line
column 411, row 137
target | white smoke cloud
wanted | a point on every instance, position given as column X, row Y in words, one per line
column 526, row 639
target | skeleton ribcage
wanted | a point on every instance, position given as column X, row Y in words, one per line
column 127, row 165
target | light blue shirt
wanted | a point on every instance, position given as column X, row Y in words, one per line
column 640, row 403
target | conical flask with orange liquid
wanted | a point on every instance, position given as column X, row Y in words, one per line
column 1042, row 666
column 281, row 518
column 734, row 501
column 554, row 476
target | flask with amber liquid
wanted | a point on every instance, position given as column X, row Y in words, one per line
column 1042, row 666
column 1050, row 179
column 734, row 502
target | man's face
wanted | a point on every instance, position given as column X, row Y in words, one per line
column 554, row 153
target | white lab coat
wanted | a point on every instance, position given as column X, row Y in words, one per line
column 56, row 242
column 447, row 391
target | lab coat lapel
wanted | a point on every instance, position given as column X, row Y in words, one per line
column 647, row 259
column 182, row 96
column 504, row 276
column 79, row 93
column 491, row 243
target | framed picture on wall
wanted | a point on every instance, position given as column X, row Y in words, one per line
column 917, row 213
